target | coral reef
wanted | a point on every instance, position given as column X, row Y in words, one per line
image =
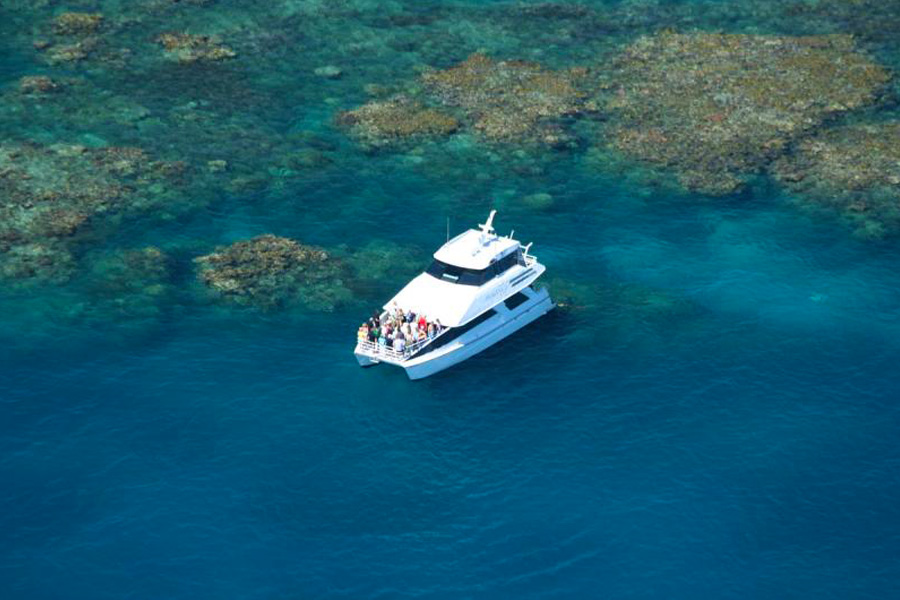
column 49, row 194
column 609, row 311
column 719, row 106
column 130, row 284
column 33, row 262
column 63, row 105
column 270, row 272
column 537, row 201
column 856, row 169
column 117, row 293
column 611, row 298
column 79, row 24
column 378, row 266
column 504, row 101
column 72, row 37
column 714, row 108
column 37, row 84
column 384, row 122
column 191, row 48
column 71, row 52
column 508, row 100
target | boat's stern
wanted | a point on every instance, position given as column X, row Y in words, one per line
column 364, row 356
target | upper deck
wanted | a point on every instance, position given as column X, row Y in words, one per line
column 473, row 249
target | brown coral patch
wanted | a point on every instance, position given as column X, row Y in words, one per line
column 506, row 100
column 44, row 262
column 718, row 106
column 71, row 52
column 49, row 194
column 74, row 23
column 189, row 48
column 387, row 121
column 270, row 271
column 37, row 84
column 855, row 169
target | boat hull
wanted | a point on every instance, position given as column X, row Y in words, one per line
column 481, row 338
column 364, row 360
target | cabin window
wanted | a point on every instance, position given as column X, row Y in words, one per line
column 443, row 271
column 520, row 257
column 505, row 263
column 455, row 332
column 454, row 274
column 516, row 300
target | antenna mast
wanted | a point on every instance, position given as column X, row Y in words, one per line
column 487, row 228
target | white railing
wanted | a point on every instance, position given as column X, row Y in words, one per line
column 386, row 352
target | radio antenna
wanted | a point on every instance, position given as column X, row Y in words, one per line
column 448, row 229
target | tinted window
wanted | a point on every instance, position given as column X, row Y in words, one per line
column 454, row 274
column 472, row 277
column 515, row 300
column 458, row 331
column 505, row 263
column 442, row 270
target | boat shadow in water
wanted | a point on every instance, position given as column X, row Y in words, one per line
column 521, row 353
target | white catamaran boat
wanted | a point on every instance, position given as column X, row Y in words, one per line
column 477, row 291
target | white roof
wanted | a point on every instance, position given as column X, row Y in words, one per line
column 474, row 249
column 436, row 299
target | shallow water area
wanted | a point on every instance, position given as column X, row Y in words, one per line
column 711, row 411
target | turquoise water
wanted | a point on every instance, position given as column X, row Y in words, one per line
column 712, row 413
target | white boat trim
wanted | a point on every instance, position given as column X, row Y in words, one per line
column 482, row 337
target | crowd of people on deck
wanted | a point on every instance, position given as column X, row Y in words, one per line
column 398, row 329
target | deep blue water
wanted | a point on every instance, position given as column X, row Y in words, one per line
column 745, row 448
column 714, row 412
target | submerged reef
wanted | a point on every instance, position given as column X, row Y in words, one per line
column 67, row 53
column 37, row 84
column 609, row 299
column 33, row 262
column 603, row 310
column 379, row 265
column 503, row 101
column 129, row 284
column 270, row 272
column 854, row 168
column 508, row 100
column 384, row 122
column 189, row 48
column 116, row 294
column 73, row 23
column 59, row 106
column 70, row 37
column 48, row 194
column 872, row 20
column 717, row 107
